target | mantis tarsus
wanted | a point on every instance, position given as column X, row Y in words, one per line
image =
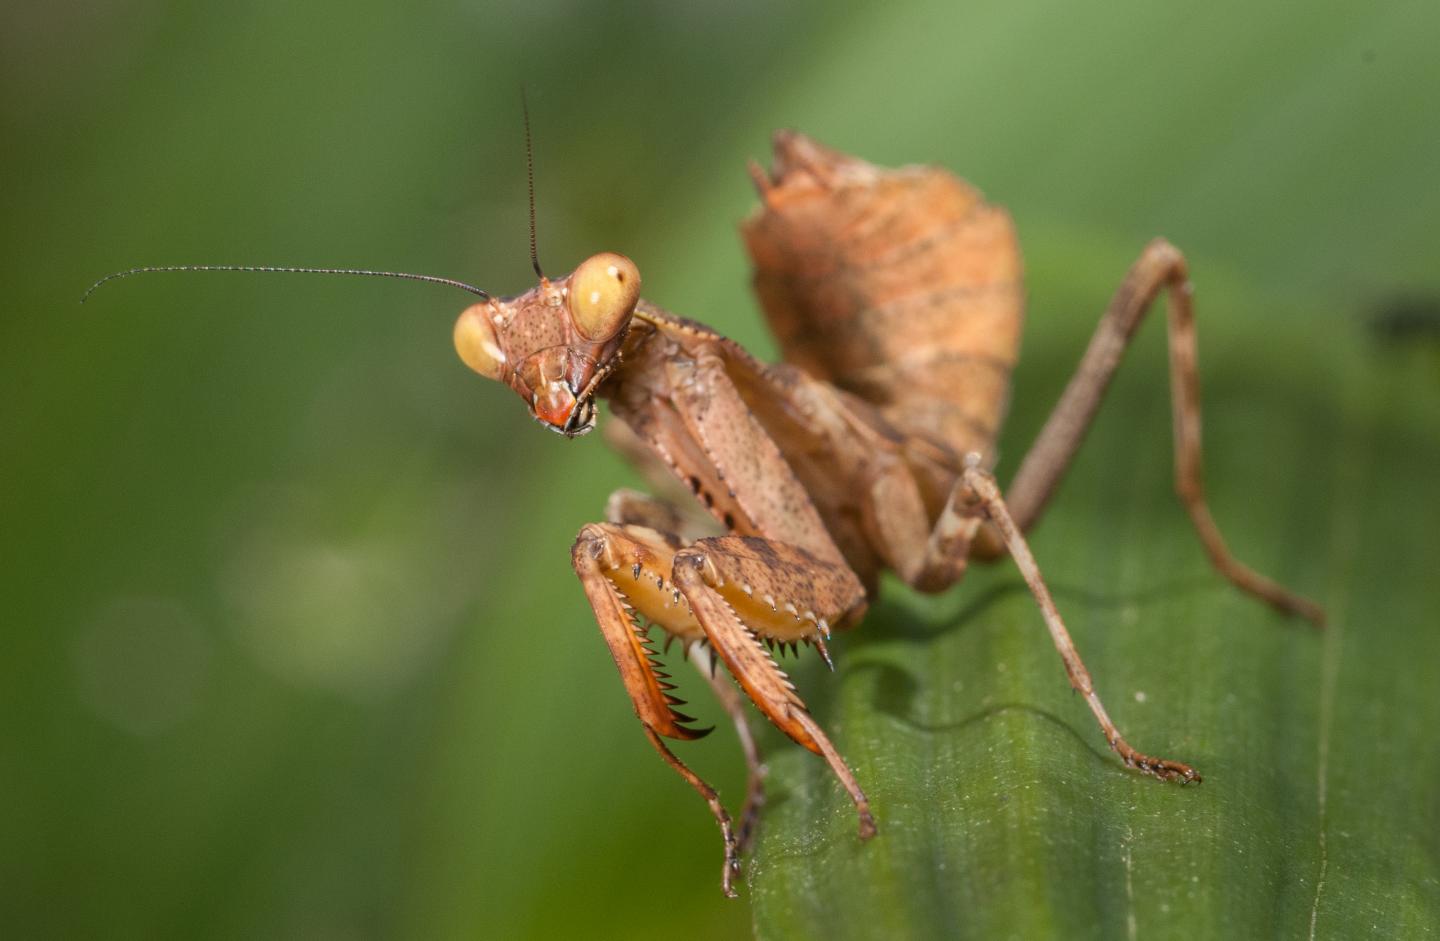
column 896, row 297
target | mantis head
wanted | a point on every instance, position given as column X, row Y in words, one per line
column 555, row 343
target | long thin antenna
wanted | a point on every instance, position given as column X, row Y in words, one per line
column 288, row 270
column 530, row 178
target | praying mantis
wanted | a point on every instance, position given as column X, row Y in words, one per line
column 897, row 300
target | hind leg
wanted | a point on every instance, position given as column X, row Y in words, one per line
column 1160, row 266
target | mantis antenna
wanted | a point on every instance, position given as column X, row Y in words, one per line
column 530, row 179
column 365, row 272
column 291, row 270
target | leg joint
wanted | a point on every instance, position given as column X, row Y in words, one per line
column 693, row 568
column 591, row 545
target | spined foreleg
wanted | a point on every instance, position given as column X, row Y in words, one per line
column 618, row 566
column 744, row 590
column 734, row 592
column 631, row 507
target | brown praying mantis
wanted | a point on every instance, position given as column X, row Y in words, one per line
column 897, row 301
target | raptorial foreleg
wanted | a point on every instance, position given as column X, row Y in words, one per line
column 744, row 590
column 617, row 566
column 780, row 578
column 639, row 509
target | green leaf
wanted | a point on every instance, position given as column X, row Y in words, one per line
column 1001, row 811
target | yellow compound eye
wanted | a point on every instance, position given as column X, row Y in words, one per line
column 475, row 341
column 603, row 292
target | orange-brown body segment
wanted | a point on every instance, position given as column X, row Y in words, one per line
column 900, row 286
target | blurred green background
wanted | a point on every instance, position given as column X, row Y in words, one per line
column 291, row 644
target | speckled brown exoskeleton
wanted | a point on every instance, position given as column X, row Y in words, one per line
column 897, row 301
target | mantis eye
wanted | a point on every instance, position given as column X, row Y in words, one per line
column 475, row 341
column 603, row 292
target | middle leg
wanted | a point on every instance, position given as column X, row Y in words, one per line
column 978, row 491
column 927, row 562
